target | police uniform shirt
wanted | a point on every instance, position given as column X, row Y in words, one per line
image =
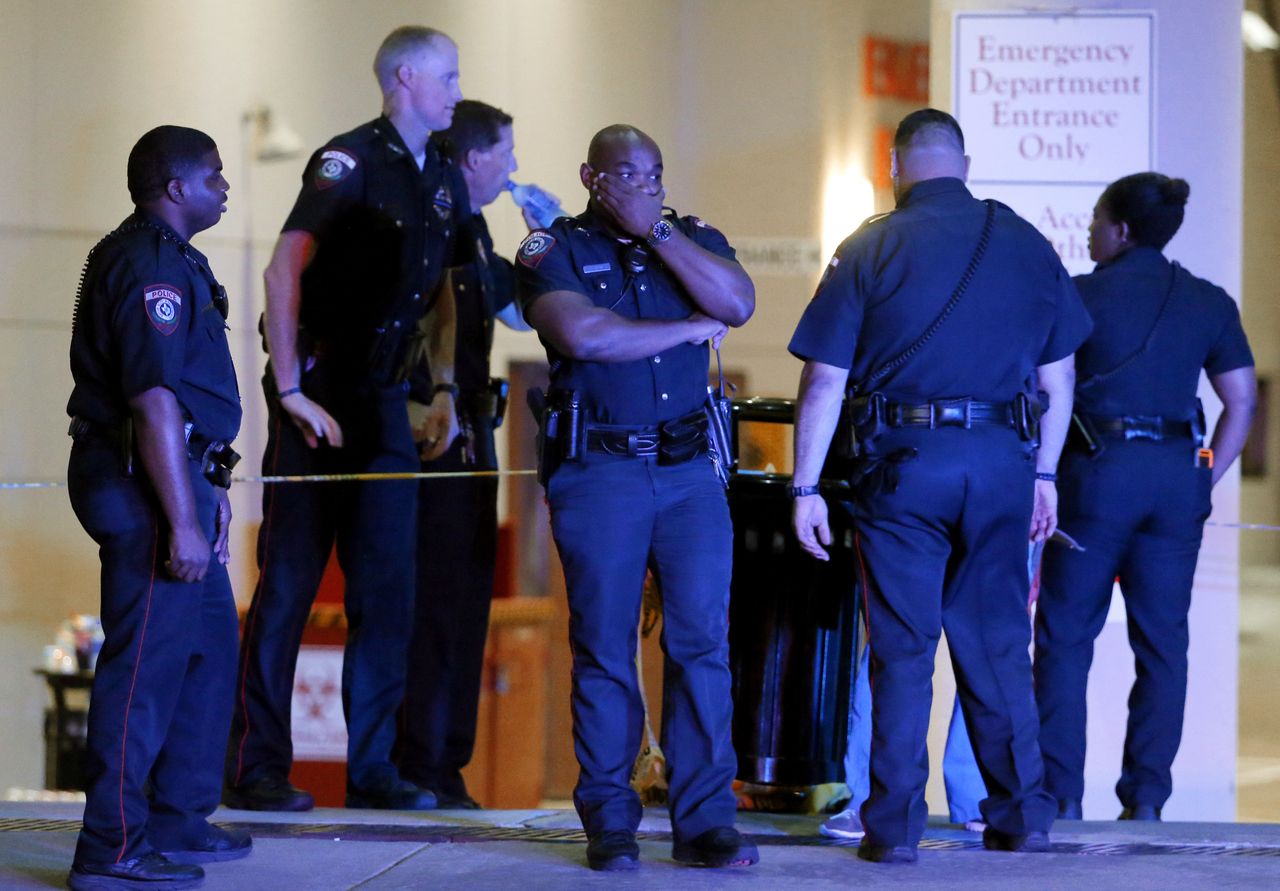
column 1200, row 328
column 384, row 231
column 891, row 278
column 482, row 288
column 577, row 254
column 147, row 317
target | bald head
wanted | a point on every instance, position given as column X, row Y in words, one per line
column 616, row 140
column 928, row 144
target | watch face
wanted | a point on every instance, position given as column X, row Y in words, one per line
column 661, row 231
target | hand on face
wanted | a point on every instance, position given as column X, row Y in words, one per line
column 633, row 207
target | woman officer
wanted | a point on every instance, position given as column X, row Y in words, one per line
column 1135, row 485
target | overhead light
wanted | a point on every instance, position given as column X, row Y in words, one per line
column 1258, row 35
column 272, row 138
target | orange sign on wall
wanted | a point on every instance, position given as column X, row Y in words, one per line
column 895, row 69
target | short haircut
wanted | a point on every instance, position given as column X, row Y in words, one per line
column 164, row 154
column 1151, row 204
column 399, row 47
column 928, row 126
column 476, row 125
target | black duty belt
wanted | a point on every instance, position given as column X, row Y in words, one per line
column 1150, row 427
column 950, row 413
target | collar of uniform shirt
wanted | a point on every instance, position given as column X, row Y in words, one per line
column 928, row 188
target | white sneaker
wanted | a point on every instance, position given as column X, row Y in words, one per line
column 846, row 824
column 975, row 826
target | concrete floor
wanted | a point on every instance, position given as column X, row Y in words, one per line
column 339, row 849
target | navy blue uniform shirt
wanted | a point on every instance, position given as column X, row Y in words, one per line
column 147, row 318
column 891, row 278
column 385, row 232
column 1199, row 329
column 577, row 254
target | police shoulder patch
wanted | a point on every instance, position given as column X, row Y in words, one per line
column 534, row 247
column 335, row 166
column 164, row 306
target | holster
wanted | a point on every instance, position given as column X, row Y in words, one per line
column 879, row 474
column 559, row 415
column 217, row 458
column 1198, row 426
column 866, row 422
column 1026, row 419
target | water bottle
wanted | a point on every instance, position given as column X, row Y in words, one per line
column 541, row 206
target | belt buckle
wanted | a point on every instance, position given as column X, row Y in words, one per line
column 641, row 444
column 952, row 413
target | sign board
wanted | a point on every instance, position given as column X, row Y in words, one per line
column 780, row 256
column 1055, row 106
column 319, row 729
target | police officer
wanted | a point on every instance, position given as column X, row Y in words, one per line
column 361, row 260
column 154, row 409
column 625, row 300
column 1135, row 487
column 458, row 517
column 942, row 315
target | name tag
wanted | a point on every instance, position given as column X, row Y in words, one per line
column 596, row 268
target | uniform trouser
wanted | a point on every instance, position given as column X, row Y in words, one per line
column 457, row 547
column 373, row 526
column 948, row 549
column 960, row 774
column 162, row 689
column 612, row 518
column 1139, row 510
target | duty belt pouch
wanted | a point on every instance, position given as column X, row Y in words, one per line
column 683, row 439
column 1083, row 436
column 217, row 462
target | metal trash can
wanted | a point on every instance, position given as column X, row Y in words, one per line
column 792, row 627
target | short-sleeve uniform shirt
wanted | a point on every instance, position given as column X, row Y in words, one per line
column 578, row 254
column 150, row 314
column 1200, row 328
column 890, row 280
column 385, row 232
